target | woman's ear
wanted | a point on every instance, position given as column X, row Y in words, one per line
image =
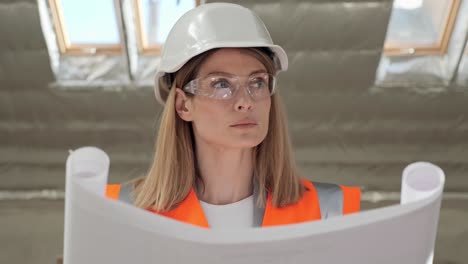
column 183, row 105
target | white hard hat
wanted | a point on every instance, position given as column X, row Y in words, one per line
column 210, row 26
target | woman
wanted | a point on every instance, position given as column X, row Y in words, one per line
column 223, row 155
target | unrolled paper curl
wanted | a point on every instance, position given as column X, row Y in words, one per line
column 419, row 181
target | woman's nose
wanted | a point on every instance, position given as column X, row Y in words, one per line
column 243, row 100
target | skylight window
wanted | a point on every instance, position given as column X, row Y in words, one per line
column 108, row 42
column 408, row 4
column 462, row 76
column 420, row 27
column 155, row 18
column 86, row 26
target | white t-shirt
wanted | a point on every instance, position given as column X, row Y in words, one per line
column 235, row 215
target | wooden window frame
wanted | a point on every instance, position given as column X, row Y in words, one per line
column 66, row 47
column 143, row 45
column 439, row 49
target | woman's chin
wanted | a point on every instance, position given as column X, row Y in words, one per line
column 245, row 142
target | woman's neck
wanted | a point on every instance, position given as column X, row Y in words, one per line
column 226, row 173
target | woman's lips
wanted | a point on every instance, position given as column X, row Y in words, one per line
column 245, row 123
column 244, row 126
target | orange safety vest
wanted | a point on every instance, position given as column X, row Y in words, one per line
column 308, row 208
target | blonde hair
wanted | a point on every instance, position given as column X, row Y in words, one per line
column 174, row 170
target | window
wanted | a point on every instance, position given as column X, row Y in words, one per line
column 462, row 76
column 107, row 43
column 86, row 26
column 420, row 27
column 425, row 41
column 155, row 18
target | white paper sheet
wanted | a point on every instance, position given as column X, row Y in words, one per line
column 99, row 230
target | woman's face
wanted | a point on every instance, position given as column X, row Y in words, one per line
column 219, row 122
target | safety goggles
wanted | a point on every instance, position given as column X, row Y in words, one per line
column 225, row 86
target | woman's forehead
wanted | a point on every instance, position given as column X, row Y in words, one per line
column 235, row 61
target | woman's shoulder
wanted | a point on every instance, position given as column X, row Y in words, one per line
column 114, row 191
column 326, row 185
column 348, row 196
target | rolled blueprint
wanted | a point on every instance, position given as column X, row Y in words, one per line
column 108, row 231
column 88, row 167
column 419, row 181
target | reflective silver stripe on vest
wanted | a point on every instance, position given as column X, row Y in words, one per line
column 330, row 199
column 258, row 212
column 125, row 194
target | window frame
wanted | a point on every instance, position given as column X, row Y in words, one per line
column 392, row 49
column 64, row 43
column 142, row 41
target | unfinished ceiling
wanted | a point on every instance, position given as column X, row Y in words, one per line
column 344, row 129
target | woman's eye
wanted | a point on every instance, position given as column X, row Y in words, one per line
column 259, row 83
column 221, row 84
